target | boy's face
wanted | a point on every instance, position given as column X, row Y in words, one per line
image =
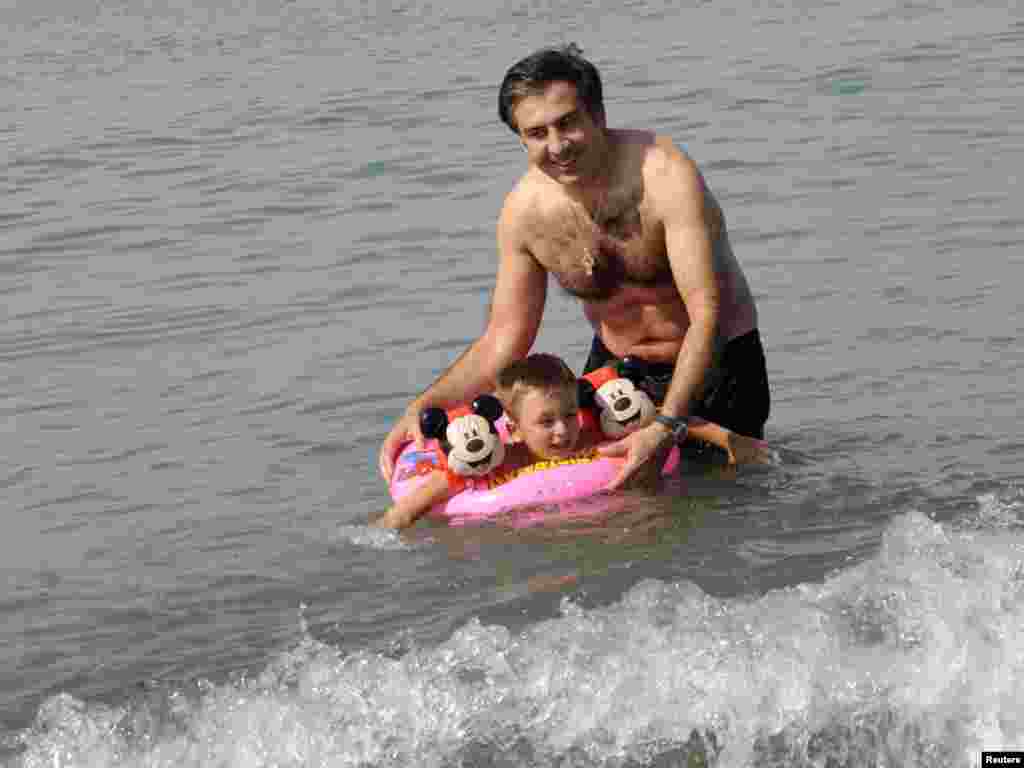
column 548, row 422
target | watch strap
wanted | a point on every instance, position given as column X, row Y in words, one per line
column 678, row 427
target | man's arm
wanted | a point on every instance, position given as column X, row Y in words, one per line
column 674, row 184
column 688, row 242
column 517, row 305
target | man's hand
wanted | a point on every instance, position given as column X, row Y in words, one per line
column 645, row 452
column 406, row 428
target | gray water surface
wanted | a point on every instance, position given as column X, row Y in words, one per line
column 236, row 240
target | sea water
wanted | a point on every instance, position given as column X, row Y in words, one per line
column 911, row 657
column 236, row 241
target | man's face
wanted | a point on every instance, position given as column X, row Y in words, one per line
column 561, row 137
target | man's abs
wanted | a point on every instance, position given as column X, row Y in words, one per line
column 648, row 321
column 651, row 321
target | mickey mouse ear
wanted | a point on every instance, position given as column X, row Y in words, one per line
column 433, row 422
column 632, row 368
column 585, row 393
column 489, row 407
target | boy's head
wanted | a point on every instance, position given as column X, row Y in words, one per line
column 539, row 394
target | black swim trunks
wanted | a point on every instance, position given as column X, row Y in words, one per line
column 735, row 395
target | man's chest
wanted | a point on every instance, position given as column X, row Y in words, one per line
column 620, row 239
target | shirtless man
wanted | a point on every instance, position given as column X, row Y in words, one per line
column 623, row 220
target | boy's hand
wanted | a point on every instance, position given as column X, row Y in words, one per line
column 645, row 452
column 748, row 450
column 394, row 518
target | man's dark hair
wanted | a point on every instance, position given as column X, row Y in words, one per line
column 548, row 65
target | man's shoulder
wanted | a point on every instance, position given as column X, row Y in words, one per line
column 654, row 158
column 668, row 172
column 527, row 201
column 533, row 189
column 520, row 196
column 665, row 156
column 646, row 145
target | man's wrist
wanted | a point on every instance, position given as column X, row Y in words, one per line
column 674, row 426
column 664, row 433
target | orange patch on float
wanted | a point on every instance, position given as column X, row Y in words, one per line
column 424, row 464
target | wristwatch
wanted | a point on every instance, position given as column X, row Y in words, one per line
column 676, row 426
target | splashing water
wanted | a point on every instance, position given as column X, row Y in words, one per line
column 913, row 657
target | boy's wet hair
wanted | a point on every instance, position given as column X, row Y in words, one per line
column 537, row 371
column 531, row 75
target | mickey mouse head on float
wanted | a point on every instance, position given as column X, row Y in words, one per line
column 622, row 407
column 470, row 441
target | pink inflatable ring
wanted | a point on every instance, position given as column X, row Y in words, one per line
column 544, row 483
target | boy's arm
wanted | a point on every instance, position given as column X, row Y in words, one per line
column 435, row 489
column 741, row 449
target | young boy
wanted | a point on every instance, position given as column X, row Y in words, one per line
column 539, row 395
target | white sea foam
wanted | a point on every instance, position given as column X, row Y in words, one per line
column 1000, row 510
column 912, row 658
column 371, row 538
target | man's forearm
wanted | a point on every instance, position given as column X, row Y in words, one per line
column 461, row 381
column 475, row 371
column 695, row 357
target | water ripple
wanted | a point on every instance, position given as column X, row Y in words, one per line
column 237, row 241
